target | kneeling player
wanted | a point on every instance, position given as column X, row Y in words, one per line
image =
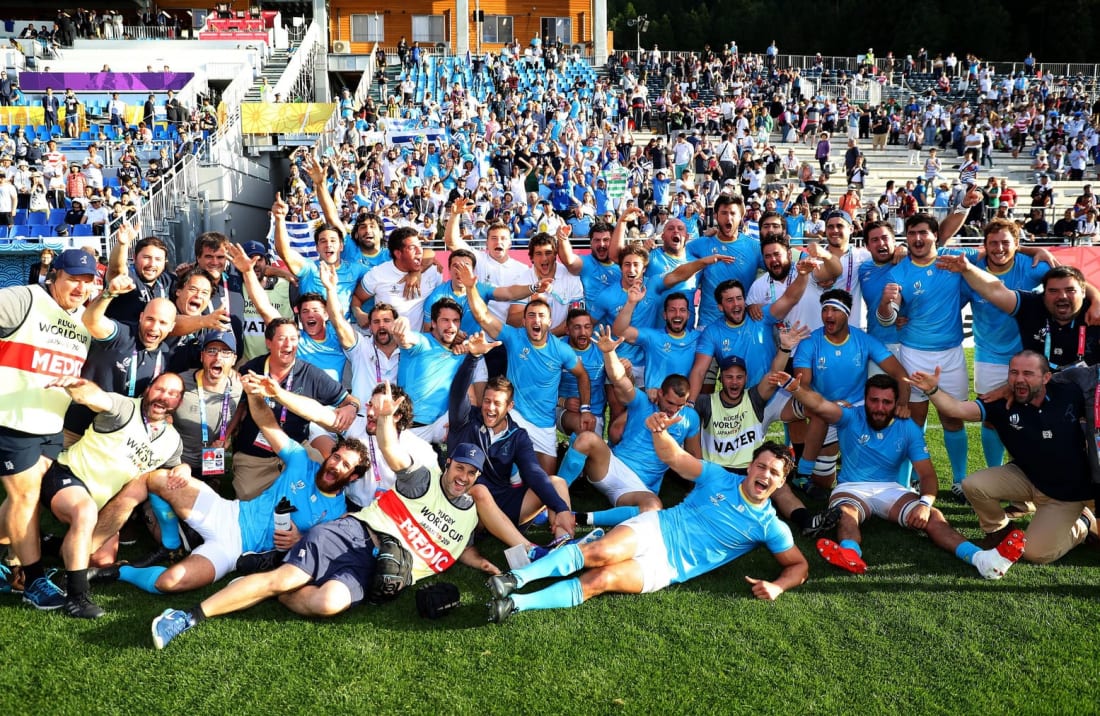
column 723, row 517
column 875, row 442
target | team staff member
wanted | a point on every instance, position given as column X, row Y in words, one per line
column 41, row 339
column 210, row 398
column 419, row 528
column 1040, row 429
column 148, row 272
column 124, row 358
column 128, row 438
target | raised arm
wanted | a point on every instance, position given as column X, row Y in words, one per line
column 95, row 316
column 316, row 173
column 984, row 283
column 256, row 292
column 789, row 338
column 565, row 251
column 265, row 421
column 344, row 332
column 452, row 235
column 619, row 232
column 816, row 403
column 946, row 404
column 118, row 263
column 478, row 309
column 681, row 461
column 621, row 327
column 268, row 388
column 613, row 366
column 956, row 218
column 686, row 270
column 293, row 260
column 395, row 455
column 790, row 298
column 84, row 392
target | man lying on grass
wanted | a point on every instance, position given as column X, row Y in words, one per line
column 723, row 517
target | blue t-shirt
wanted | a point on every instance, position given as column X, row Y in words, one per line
column 661, row 264
column 536, row 373
column 996, row 339
column 328, row 355
column 840, row 370
column 609, row 304
column 751, row 339
column 297, row 484
column 592, row 360
column 636, row 448
column 715, row 525
column 469, row 324
column 932, row 301
column 348, row 276
column 426, row 372
column 877, row 455
column 666, row 354
column 597, row 276
column 352, row 254
column 747, row 261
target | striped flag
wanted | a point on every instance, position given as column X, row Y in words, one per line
column 301, row 237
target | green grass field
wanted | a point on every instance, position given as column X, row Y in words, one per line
column 920, row 633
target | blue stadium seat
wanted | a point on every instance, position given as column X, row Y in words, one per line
column 81, row 230
column 21, row 230
column 20, row 216
column 36, row 218
column 57, row 216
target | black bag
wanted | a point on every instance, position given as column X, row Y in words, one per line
column 437, row 600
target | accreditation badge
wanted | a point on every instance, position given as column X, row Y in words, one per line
column 213, row 461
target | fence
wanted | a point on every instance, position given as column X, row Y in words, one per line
column 327, row 139
column 162, row 203
column 296, row 82
column 152, row 32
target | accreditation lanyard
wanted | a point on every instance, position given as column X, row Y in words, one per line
column 1080, row 344
column 378, row 362
column 374, row 465
column 224, row 420
column 289, row 388
column 132, row 382
column 848, row 278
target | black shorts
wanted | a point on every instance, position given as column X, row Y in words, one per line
column 340, row 550
column 20, row 451
column 56, row 479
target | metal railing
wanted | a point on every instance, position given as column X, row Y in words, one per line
column 296, row 82
column 162, row 203
column 226, row 141
column 150, row 32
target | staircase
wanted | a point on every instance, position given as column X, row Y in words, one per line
column 272, row 71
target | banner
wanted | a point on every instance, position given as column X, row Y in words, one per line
column 104, row 81
column 284, row 118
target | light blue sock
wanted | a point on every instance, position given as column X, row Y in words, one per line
column 992, row 446
column 612, row 517
column 561, row 595
column 572, row 465
column 966, row 551
column 559, row 563
column 805, row 467
column 144, row 578
column 957, row 452
column 852, row 545
column 169, row 523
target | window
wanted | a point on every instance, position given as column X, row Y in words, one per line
column 368, row 28
column 428, row 28
column 557, row 29
column 497, row 28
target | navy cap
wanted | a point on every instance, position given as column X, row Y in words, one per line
column 76, row 262
column 254, row 248
column 730, row 361
column 837, row 214
column 225, row 337
column 469, row 454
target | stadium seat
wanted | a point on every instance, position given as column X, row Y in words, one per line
column 36, row 218
column 57, row 216
column 81, row 230
column 21, row 230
